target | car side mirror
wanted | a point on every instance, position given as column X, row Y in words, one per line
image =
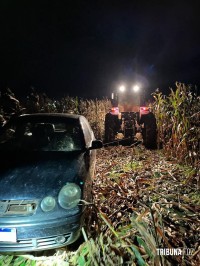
column 96, row 144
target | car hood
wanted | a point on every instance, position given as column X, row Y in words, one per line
column 35, row 175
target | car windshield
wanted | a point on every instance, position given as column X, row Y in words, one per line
column 43, row 135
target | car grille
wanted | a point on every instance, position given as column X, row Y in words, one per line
column 17, row 207
column 35, row 243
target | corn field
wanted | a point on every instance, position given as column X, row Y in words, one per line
column 95, row 111
column 178, row 122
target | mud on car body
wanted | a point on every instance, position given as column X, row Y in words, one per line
column 45, row 177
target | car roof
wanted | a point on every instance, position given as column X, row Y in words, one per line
column 72, row 116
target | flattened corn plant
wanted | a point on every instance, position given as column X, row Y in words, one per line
column 178, row 121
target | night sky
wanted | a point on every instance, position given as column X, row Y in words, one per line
column 87, row 48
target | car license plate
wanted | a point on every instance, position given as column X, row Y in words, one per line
column 8, row 234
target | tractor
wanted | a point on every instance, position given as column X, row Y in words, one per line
column 128, row 117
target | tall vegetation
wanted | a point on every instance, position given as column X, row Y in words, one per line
column 178, row 121
column 95, row 111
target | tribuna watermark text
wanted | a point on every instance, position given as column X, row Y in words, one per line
column 175, row 251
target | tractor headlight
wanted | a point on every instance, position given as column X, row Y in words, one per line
column 136, row 88
column 69, row 196
column 122, row 88
column 48, row 204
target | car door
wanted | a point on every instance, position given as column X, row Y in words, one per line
column 90, row 155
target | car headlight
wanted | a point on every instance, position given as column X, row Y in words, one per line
column 69, row 196
column 48, row 204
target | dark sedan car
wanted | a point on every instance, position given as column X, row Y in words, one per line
column 46, row 169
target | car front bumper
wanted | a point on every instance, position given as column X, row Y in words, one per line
column 58, row 233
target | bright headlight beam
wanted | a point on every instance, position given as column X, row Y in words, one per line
column 136, row 88
column 122, row 88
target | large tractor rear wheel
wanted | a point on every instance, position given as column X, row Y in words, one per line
column 111, row 127
column 149, row 131
column 150, row 137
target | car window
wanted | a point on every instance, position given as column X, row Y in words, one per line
column 42, row 135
